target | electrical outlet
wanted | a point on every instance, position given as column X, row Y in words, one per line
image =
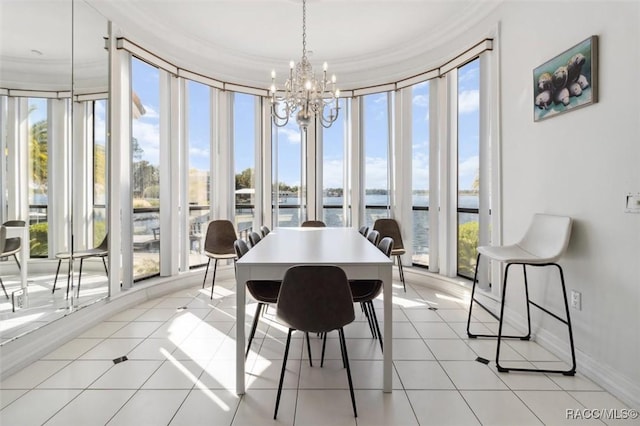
column 576, row 300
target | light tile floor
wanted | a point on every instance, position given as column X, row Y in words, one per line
column 181, row 371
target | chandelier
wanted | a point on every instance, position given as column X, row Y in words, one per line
column 303, row 92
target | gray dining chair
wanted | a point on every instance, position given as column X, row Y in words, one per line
column 254, row 238
column 364, row 230
column 13, row 244
column 390, row 228
column 218, row 244
column 315, row 299
column 313, row 224
column 265, row 292
column 100, row 251
column 264, row 230
column 373, row 237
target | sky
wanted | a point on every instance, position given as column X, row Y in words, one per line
column 375, row 110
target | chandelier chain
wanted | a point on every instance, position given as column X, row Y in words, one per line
column 304, row 28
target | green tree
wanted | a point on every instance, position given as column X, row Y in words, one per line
column 467, row 246
column 244, row 179
column 38, row 153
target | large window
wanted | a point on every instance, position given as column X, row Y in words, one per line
column 38, row 122
column 420, row 172
column 375, row 120
column 468, row 166
column 244, row 140
column 199, row 174
column 145, row 184
column 287, row 187
column 99, row 170
column 334, row 188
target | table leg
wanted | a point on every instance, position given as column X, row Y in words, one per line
column 387, row 381
column 242, row 275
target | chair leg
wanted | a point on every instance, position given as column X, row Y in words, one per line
column 56, row 279
column 80, row 276
column 324, row 345
column 367, row 314
column 16, row 258
column 345, row 358
column 567, row 322
column 306, row 335
column 69, row 282
column 106, row 270
column 375, row 321
column 284, row 367
column 253, row 328
column 206, row 271
column 213, row 282
column 401, row 272
column 5, row 290
column 473, row 300
column 473, row 292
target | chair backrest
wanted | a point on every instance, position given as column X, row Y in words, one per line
column 3, row 237
column 315, row 298
column 373, row 237
column 104, row 244
column 241, row 248
column 547, row 236
column 265, row 230
column 220, row 237
column 389, row 228
column 364, row 230
column 386, row 246
column 254, row 238
column 15, row 223
column 313, row 224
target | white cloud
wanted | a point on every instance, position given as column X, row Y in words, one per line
column 467, row 171
column 291, row 135
column 420, row 171
column 376, row 173
column 150, row 113
column 469, row 101
column 332, row 173
column 148, row 136
column 198, row 152
column 421, row 100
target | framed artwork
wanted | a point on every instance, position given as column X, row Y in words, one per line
column 566, row 82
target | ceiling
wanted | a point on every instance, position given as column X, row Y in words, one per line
column 365, row 42
column 241, row 41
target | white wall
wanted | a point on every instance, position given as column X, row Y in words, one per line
column 581, row 164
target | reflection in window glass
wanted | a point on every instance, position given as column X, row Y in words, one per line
column 334, row 141
column 375, row 116
column 99, row 170
column 287, row 193
column 145, row 184
column 198, row 124
column 420, row 172
column 38, row 123
column 244, row 139
column 468, row 165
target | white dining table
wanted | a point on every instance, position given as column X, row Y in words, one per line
column 285, row 247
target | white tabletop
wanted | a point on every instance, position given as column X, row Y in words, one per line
column 314, row 245
column 285, row 247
